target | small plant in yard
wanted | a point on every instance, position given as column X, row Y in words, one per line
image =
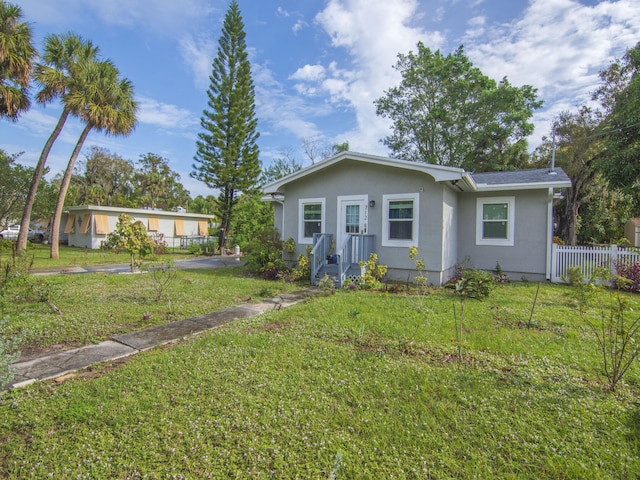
column 131, row 235
column 373, row 273
column 289, row 246
column 501, row 277
column 326, row 285
column 195, row 249
column 617, row 337
column 628, row 277
column 421, row 278
column 162, row 275
column 302, row 270
column 476, row 284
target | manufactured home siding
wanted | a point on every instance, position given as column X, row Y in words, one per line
column 105, row 220
column 527, row 257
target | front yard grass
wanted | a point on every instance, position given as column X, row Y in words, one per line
column 96, row 306
column 355, row 385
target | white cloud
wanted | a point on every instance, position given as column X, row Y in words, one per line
column 277, row 109
column 558, row 46
column 299, row 25
column 165, row 115
column 198, row 55
column 159, row 15
column 309, row 73
column 372, row 33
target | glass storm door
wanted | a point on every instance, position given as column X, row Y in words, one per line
column 352, row 217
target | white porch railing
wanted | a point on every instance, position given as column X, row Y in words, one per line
column 589, row 258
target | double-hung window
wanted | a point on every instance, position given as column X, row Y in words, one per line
column 311, row 215
column 495, row 221
column 400, row 222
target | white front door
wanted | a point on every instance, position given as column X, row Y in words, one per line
column 352, row 217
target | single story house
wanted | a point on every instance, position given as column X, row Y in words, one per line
column 353, row 204
column 87, row 226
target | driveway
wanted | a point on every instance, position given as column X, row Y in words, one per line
column 217, row 261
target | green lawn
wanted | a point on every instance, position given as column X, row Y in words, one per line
column 37, row 256
column 354, row 385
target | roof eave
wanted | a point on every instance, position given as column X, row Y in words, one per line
column 485, row 187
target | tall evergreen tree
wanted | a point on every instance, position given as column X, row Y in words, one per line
column 227, row 152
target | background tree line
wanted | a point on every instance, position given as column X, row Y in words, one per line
column 446, row 111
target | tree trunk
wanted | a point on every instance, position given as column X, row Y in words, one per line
column 64, row 186
column 21, row 246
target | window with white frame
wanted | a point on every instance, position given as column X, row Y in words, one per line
column 495, row 220
column 311, row 217
column 400, row 222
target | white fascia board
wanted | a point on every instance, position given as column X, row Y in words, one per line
column 135, row 211
column 484, row 187
column 438, row 172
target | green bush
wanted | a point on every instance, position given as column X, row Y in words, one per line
column 264, row 255
column 476, row 284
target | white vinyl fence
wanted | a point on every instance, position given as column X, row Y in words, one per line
column 589, row 258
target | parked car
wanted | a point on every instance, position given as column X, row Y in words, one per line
column 12, row 231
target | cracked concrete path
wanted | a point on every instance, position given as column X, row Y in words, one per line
column 55, row 365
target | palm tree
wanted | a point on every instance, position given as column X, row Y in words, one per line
column 65, row 57
column 16, row 61
column 105, row 104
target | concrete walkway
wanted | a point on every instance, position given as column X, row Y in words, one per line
column 59, row 364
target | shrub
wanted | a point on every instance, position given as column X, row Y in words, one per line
column 195, row 249
column 476, row 284
column 131, row 235
column 264, row 255
column 302, row 271
column 628, row 277
column 373, row 273
column 421, row 278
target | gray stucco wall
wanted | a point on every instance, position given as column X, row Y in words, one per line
column 528, row 256
column 436, row 209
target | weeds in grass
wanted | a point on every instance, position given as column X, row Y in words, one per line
column 8, row 354
column 326, row 285
column 529, row 324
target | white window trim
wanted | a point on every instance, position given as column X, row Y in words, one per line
column 301, row 203
column 511, row 217
column 414, row 240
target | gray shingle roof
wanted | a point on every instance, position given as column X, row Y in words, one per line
column 516, row 177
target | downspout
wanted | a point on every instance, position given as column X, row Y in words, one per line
column 549, row 234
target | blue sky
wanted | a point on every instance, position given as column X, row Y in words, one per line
column 317, row 65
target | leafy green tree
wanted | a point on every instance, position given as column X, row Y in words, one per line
column 14, row 182
column 156, row 185
column 446, row 111
column 604, row 213
column 131, row 235
column 60, row 75
column 620, row 96
column 227, row 152
column 251, row 217
column 200, row 204
column 578, row 145
column 104, row 103
column 281, row 167
column 106, row 179
column 16, row 61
